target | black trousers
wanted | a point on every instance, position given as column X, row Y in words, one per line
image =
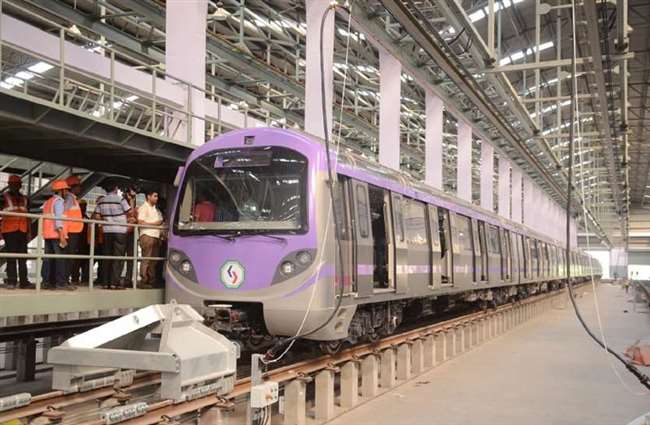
column 114, row 245
column 78, row 246
column 129, row 252
column 55, row 270
column 16, row 242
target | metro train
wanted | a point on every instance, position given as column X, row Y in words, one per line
column 253, row 244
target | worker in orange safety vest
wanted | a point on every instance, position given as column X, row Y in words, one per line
column 55, row 232
column 15, row 231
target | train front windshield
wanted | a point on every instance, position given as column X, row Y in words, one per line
column 244, row 190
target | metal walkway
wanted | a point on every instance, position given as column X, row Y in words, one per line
column 68, row 99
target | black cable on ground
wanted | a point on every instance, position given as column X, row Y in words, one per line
column 643, row 379
column 277, row 348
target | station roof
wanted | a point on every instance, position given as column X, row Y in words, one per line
column 256, row 57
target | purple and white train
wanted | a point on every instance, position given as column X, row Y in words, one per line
column 253, row 248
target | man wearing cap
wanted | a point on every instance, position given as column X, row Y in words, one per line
column 55, row 234
column 72, row 209
column 15, row 231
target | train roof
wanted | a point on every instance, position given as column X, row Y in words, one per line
column 353, row 164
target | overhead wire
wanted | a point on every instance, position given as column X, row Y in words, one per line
column 643, row 379
column 287, row 344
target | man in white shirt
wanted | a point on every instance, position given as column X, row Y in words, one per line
column 149, row 240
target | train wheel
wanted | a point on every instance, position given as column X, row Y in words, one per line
column 331, row 347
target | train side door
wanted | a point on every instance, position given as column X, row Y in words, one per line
column 484, row 252
column 506, row 255
column 400, row 271
column 478, row 257
column 363, row 247
column 344, row 232
column 436, row 258
column 516, row 257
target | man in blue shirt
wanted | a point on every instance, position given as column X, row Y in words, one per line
column 113, row 209
column 55, row 270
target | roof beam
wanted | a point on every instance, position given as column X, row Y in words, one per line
column 589, row 8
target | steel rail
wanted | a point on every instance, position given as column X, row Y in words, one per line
column 58, row 399
column 159, row 411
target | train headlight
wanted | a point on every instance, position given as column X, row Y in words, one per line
column 287, row 268
column 304, row 258
column 181, row 263
column 175, row 257
column 186, row 267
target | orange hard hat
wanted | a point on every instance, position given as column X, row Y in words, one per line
column 73, row 180
column 14, row 179
column 60, row 185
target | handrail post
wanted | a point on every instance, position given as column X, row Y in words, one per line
column 112, row 104
column 61, row 65
column 91, row 260
column 189, row 114
column 134, row 272
column 39, row 253
column 154, row 103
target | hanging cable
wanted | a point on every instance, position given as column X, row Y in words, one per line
column 643, row 379
column 285, row 345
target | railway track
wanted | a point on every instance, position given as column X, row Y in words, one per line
column 53, row 407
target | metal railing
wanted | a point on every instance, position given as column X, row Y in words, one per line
column 65, row 86
column 39, row 252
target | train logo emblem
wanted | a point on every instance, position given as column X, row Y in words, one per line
column 232, row 274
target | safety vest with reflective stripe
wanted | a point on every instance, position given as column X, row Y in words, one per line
column 49, row 225
column 13, row 223
column 73, row 212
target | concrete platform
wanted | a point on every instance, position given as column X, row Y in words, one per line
column 28, row 306
column 545, row 372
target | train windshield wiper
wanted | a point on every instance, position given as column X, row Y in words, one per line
column 208, row 232
column 258, row 233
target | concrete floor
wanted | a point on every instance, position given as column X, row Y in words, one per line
column 546, row 371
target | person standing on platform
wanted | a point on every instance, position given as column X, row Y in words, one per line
column 113, row 209
column 15, row 231
column 149, row 214
column 80, row 272
column 72, row 209
column 131, row 218
column 55, row 270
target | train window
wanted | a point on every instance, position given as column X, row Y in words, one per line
column 493, row 240
column 464, row 229
column 535, row 257
column 244, row 190
column 362, row 211
column 415, row 222
column 445, row 246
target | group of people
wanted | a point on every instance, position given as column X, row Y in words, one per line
column 114, row 237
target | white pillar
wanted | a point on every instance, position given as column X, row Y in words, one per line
column 464, row 164
column 433, row 141
column 313, row 93
column 185, row 27
column 516, row 195
column 528, row 201
column 390, row 70
column 504, row 187
column 487, row 176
